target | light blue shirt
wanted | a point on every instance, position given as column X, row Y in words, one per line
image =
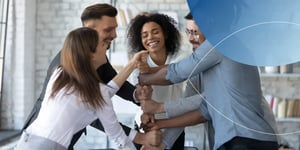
column 234, row 101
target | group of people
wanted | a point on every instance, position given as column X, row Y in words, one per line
column 80, row 81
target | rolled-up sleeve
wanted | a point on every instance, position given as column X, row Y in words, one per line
column 204, row 57
column 113, row 88
column 184, row 105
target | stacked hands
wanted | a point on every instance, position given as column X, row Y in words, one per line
column 149, row 107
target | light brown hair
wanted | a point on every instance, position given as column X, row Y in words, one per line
column 77, row 73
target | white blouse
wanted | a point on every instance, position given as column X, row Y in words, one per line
column 64, row 115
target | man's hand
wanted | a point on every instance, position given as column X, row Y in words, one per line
column 150, row 126
column 152, row 107
column 143, row 92
column 159, row 147
column 155, row 77
column 145, row 119
column 151, row 138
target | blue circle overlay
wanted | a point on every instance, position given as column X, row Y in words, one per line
column 253, row 32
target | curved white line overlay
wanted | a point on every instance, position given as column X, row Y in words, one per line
column 224, row 39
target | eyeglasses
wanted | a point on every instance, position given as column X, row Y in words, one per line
column 192, row 33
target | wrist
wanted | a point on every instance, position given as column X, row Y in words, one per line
column 163, row 124
column 132, row 64
column 160, row 108
column 159, row 124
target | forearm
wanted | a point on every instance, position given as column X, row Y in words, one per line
column 121, row 77
column 112, row 128
column 188, row 119
column 157, row 78
column 156, row 69
column 203, row 58
column 183, row 105
column 128, row 131
column 128, row 69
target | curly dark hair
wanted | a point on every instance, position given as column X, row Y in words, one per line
column 172, row 35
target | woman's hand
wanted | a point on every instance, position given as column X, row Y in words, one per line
column 139, row 58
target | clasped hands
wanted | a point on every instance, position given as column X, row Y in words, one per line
column 148, row 121
column 144, row 94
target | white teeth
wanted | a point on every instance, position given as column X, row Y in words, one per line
column 152, row 44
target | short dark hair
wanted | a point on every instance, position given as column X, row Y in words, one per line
column 189, row 16
column 167, row 24
column 96, row 11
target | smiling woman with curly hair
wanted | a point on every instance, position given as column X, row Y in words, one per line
column 157, row 33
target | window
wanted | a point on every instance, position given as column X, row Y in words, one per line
column 3, row 26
